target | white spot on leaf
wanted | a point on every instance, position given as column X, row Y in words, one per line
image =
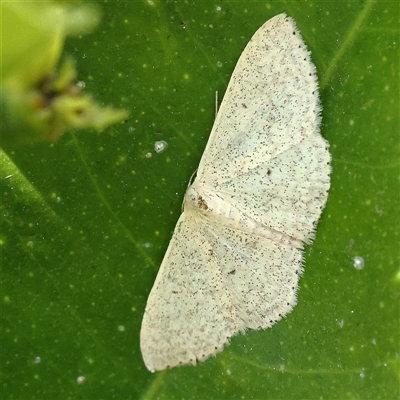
column 160, row 146
column 358, row 262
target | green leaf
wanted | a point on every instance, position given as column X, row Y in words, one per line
column 86, row 221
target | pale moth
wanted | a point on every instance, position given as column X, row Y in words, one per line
column 235, row 257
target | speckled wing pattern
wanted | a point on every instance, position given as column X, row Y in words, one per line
column 235, row 257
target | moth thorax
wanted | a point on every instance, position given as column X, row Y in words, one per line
column 195, row 199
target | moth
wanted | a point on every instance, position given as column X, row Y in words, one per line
column 236, row 254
